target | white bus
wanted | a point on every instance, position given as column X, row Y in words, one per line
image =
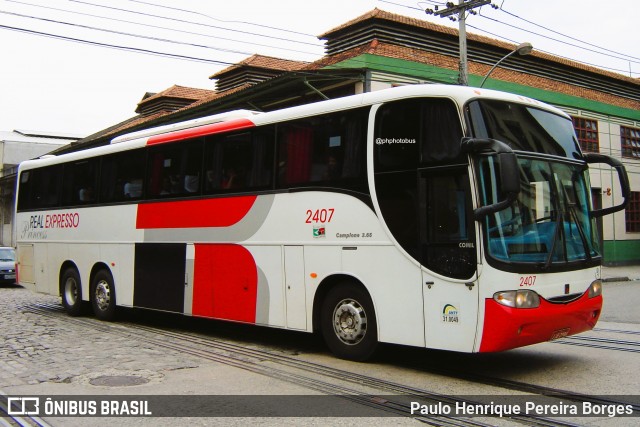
column 435, row 216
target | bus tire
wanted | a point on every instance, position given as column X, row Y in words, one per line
column 348, row 322
column 103, row 295
column 71, row 292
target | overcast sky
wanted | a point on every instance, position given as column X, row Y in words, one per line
column 50, row 83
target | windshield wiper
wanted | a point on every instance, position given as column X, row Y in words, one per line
column 574, row 216
column 559, row 225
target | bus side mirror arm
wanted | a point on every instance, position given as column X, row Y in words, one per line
column 622, row 177
column 509, row 171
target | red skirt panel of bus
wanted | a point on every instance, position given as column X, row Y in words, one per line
column 506, row 327
column 225, row 283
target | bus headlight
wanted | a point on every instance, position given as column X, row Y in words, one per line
column 595, row 289
column 517, row 299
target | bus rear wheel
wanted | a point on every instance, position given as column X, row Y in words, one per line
column 103, row 295
column 348, row 322
column 71, row 292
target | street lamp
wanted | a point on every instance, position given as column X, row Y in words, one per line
column 521, row 49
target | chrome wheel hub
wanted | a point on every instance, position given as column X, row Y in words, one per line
column 349, row 321
column 103, row 295
column 71, row 291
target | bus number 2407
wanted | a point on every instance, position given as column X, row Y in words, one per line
column 319, row 215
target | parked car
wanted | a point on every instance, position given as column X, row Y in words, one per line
column 7, row 265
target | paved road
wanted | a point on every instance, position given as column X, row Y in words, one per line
column 52, row 354
column 621, row 302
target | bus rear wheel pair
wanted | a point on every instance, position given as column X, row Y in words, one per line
column 102, row 295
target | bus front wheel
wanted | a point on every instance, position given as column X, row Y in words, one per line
column 348, row 322
column 103, row 296
column 71, row 292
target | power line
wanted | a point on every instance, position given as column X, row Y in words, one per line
column 223, row 20
column 562, row 34
column 173, row 19
column 548, row 52
column 161, row 28
column 554, row 39
column 117, row 47
column 541, row 35
column 122, row 33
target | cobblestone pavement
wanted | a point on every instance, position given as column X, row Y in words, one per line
column 37, row 349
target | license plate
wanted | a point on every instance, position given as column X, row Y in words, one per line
column 560, row 333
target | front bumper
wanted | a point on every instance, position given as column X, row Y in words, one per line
column 507, row 327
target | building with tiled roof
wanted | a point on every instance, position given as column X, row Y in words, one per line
column 379, row 49
column 253, row 70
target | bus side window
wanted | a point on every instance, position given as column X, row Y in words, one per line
column 79, row 182
column 174, row 170
column 122, row 176
column 40, row 188
column 239, row 161
column 328, row 150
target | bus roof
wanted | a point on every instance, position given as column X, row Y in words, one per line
column 211, row 124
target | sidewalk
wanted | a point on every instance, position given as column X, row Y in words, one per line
column 620, row 274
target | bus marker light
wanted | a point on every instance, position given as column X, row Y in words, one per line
column 313, row 275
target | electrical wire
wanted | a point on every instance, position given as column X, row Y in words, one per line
column 548, row 52
column 562, row 34
column 554, row 39
column 117, row 47
column 541, row 35
column 159, row 27
column 223, row 20
column 122, row 33
column 173, row 19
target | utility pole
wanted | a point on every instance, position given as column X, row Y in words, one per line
column 461, row 9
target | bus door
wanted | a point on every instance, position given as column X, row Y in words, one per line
column 448, row 256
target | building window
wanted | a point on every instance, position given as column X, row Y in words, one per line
column 587, row 131
column 632, row 213
column 630, row 138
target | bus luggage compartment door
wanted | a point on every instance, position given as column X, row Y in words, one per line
column 294, row 287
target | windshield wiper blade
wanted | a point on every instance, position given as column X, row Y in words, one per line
column 559, row 225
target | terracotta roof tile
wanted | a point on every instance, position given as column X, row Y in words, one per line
column 182, row 92
column 414, row 22
column 449, row 62
column 262, row 61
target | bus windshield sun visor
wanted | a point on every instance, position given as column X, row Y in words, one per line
column 509, row 176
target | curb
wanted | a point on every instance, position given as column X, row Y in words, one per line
column 616, row 279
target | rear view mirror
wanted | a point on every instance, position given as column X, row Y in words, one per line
column 509, row 171
column 622, row 177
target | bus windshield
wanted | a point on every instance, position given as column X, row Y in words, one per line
column 548, row 226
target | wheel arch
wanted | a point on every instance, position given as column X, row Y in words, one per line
column 97, row 267
column 324, row 287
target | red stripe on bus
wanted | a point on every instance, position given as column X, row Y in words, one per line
column 220, row 212
column 213, row 128
column 225, row 283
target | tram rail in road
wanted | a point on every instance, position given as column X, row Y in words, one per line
column 357, row 388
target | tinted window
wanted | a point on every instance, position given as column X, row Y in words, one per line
column 122, row 176
column 239, row 162
column 327, row 150
column 174, row 170
column 79, row 183
column 40, row 188
column 416, row 132
column 524, row 128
